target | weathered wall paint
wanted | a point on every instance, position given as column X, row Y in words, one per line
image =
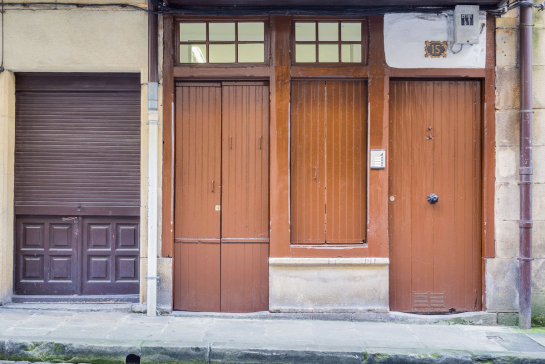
column 405, row 37
column 7, row 153
column 502, row 271
column 328, row 284
column 46, row 39
column 75, row 40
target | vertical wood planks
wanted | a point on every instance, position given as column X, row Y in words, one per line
column 346, row 156
column 378, row 84
column 197, row 277
column 244, row 277
column 245, row 162
column 245, row 201
column 308, row 162
column 198, row 177
column 280, row 134
column 198, row 156
column 400, row 185
column 435, row 249
column 328, row 162
column 222, row 177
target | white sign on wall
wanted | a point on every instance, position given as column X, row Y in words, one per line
column 405, row 37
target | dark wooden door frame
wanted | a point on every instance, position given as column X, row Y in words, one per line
column 279, row 72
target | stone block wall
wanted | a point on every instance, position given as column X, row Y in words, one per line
column 502, row 271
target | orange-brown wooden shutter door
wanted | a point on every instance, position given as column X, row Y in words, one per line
column 346, row 155
column 198, row 181
column 308, row 162
column 245, row 198
column 222, row 197
column 328, row 162
column 435, row 147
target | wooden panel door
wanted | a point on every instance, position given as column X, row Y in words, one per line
column 245, row 198
column 435, row 147
column 222, row 197
column 328, row 162
column 46, row 255
column 110, row 255
column 198, row 197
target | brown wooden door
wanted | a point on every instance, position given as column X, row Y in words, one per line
column 46, row 260
column 328, row 162
column 222, row 197
column 435, row 147
column 198, row 192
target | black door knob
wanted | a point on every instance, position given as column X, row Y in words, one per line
column 433, row 198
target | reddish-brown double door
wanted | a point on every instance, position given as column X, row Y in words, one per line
column 435, row 147
column 221, row 245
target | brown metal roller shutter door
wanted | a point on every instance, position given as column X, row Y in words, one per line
column 77, row 183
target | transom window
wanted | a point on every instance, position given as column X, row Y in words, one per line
column 222, row 42
column 329, row 42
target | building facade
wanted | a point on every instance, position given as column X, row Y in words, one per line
column 310, row 160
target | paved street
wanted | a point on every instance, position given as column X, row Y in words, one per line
column 93, row 337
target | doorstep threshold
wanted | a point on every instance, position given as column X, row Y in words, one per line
column 111, row 303
column 127, row 298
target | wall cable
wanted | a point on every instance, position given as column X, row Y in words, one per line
column 248, row 10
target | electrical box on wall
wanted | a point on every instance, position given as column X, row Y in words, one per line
column 466, row 24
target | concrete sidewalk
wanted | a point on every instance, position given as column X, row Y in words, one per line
column 104, row 337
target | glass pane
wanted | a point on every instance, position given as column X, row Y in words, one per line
column 351, row 52
column 192, row 53
column 305, row 32
column 221, row 32
column 328, row 53
column 251, row 53
column 222, row 53
column 351, row 32
column 190, row 32
column 305, row 53
column 251, row 32
column 328, row 32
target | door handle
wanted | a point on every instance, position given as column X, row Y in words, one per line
column 433, row 198
column 212, row 186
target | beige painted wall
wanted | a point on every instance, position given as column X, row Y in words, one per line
column 75, row 41
column 328, row 284
column 502, row 271
column 7, row 150
column 43, row 39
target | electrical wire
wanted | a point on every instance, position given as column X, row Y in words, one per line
column 164, row 9
column 515, row 4
column 242, row 10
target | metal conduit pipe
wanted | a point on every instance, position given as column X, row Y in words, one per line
column 153, row 126
column 525, row 223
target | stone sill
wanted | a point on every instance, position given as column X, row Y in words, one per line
column 327, row 261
